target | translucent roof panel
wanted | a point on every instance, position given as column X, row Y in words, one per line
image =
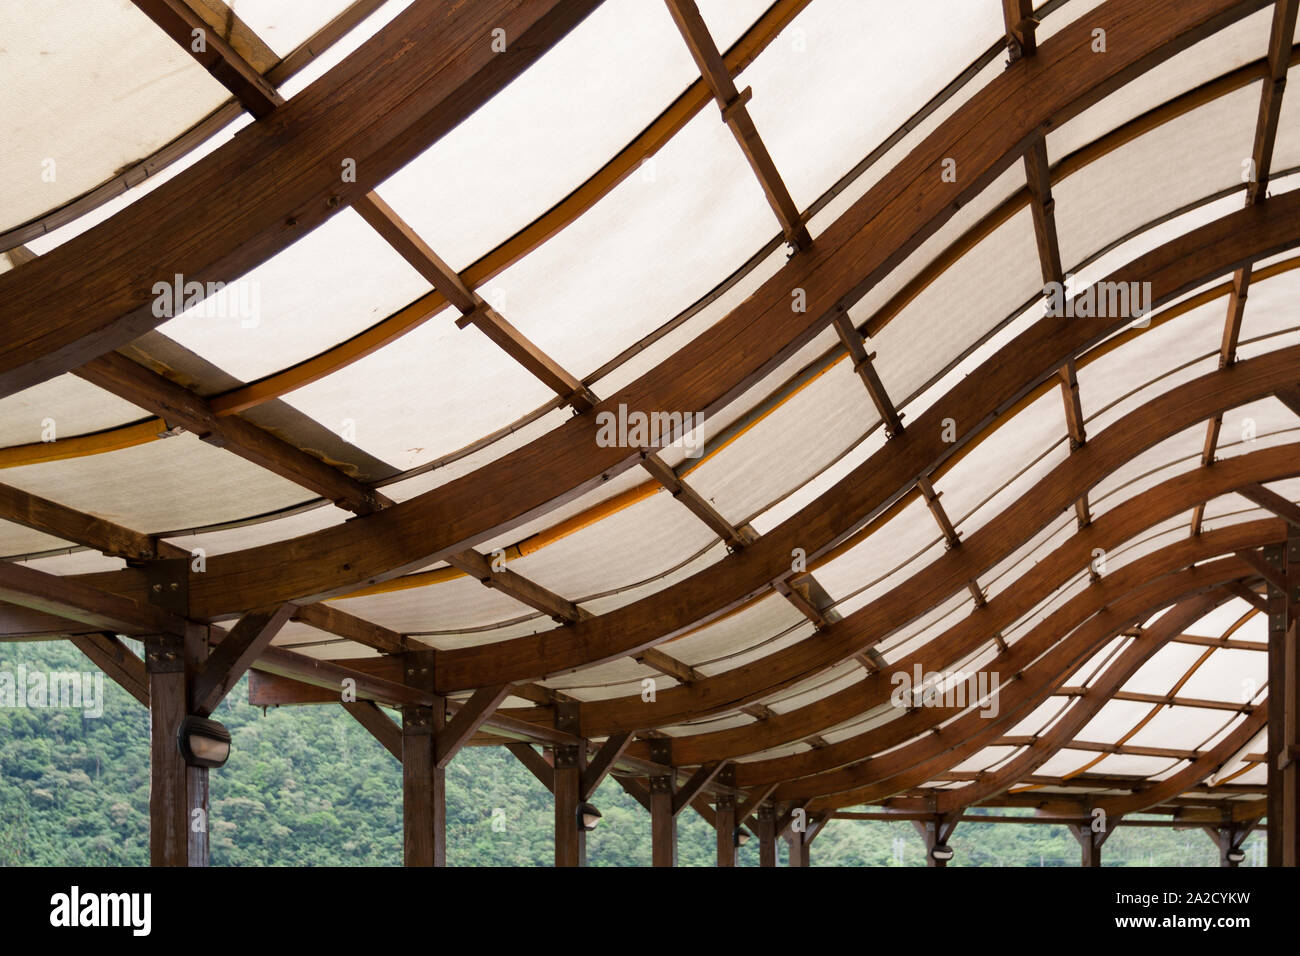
column 180, row 482
column 73, row 116
column 285, row 25
column 67, row 404
column 336, row 281
column 607, row 80
column 434, row 390
column 788, row 446
column 902, row 54
column 660, row 240
column 1098, row 203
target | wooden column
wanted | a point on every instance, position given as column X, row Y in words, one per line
column 1229, row 838
column 663, row 824
column 798, row 845
column 1278, row 717
column 570, row 839
column 765, row 824
column 1090, row 842
column 424, row 808
column 936, row 832
column 725, row 824
column 169, row 801
column 178, row 835
column 1284, row 706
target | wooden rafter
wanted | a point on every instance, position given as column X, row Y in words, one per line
column 736, row 115
column 193, row 33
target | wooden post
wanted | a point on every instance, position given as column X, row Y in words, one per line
column 169, row 801
column 663, row 824
column 178, row 793
column 1229, row 838
column 1276, row 557
column 570, row 839
column 798, row 848
column 934, row 833
column 424, row 809
column 1289, row 763
column 725, row 824
column 1091, row 841
column 765, row 824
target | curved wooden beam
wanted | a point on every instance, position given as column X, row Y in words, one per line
column 910, row 766
column 1109, row 531
column 1100, row 692
column 900, row 212
column 383, row 105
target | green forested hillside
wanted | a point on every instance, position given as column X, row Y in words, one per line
column 308, row 786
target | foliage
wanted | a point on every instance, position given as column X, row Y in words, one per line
column 308, row 786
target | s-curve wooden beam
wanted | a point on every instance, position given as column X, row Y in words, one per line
column 567, row 461
column 398, row 93
column 736, row 115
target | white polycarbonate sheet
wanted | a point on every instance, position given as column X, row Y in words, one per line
column 1164, row 460
column 914, row 638
column 1181, row 728
column 750, row 650
column 178, row 482
column 1115, row 719
column 1165, row 669
column 1027, row 624
column 74, row 116
column 282, row 26
column 973, row 296
column 1257, row 426
column 1220, row 53
column 819, row 484
column 1014, row 456
column 1229, row 675
column 985, row 759
column 76, row 562
column 534, row 624
column 787, row 447
column 63, row 406
column 431, row 392
column 1159, row 536
column 447, row 605
column 18, row 539
column 1039, row 720
column 620, row 677
column 1011, row 568
column 1099, row 203
column 703, row 313
column 1218, row 621
column 1065, row 762
column 336, row 281
column 630, row 594
column 661, row 239
column 902, row 55
column 717, row 641
column 504, row 165
column 814, row 689
column 909, row 533
column 46, row 241
column 1134, row 765
column 262, row 532
column 1096, row 666
column 646, row 540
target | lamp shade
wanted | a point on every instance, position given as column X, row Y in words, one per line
column 203, row 742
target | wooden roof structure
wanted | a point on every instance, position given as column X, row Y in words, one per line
column 315, row 332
